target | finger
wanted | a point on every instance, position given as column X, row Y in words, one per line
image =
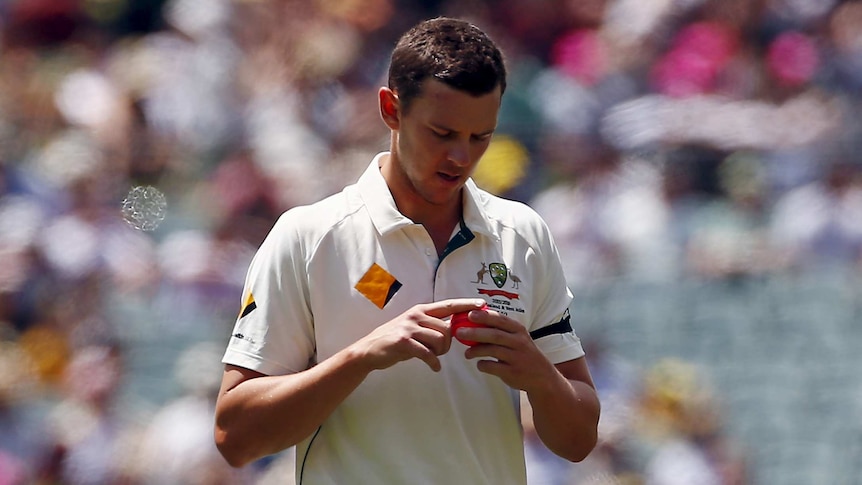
column 433, row 323
column 493, row 332
column 479, row 335
column 425, row 354
column 436, row 341
column 486, row 349
column 491, row 367
column 494, row 319
column 445, row 308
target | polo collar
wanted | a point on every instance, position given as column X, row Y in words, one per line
column 474, row 215
column 386, row 217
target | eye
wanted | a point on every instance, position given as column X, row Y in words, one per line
column 441, row 133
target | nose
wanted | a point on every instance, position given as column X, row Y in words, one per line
column 459, row 153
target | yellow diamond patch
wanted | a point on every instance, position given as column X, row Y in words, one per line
column 378, row 285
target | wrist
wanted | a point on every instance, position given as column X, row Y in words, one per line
column 358, row 359
column 551, row 384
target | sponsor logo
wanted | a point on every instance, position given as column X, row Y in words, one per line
column 244, row 337
column 378, row 285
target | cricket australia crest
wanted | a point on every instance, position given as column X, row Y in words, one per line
column 503, row 300
column 499, row 273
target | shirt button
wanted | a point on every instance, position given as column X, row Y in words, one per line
column 427, row 252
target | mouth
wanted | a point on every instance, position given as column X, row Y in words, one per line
column 448, row 177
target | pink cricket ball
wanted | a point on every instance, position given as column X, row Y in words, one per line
column 460, row 320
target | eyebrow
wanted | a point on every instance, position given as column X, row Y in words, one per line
column 445, row 128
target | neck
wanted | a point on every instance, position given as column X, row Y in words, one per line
column 412, row 204
column 435, row 216
column 440, row 230
column 439, row 220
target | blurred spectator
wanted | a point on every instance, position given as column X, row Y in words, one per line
column 612, row 462
column 177, row 444
column 681, row 423
column 820, row 223
column 611, row 218
column 845, row 35
column 726, row 234
column 22, row 443
column 91, row 436
column 697, row 58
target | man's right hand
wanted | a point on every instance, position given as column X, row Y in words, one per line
column 420, row 332
column 258, row 415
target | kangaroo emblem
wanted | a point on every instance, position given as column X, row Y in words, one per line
column 480, row 275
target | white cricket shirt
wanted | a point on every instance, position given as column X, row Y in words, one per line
column 331, row 272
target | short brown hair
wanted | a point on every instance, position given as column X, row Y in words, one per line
column 451, row 51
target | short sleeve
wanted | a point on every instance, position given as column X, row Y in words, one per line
column 551, row 321
column 274, row 330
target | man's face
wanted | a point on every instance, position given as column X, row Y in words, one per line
column 438, row 143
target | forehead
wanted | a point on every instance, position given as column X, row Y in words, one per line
column 447, row 107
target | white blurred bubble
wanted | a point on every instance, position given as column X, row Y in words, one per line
column 86, row 98
column 185, row 255
column 69, row 157
column 71, row 246
column 20, row 220
column 634, row 123
column 198, row 370
column 197, row 17
column 564, row 103
column 719, row 122
column 144, row 208
column 802, row 10
column 129, row 256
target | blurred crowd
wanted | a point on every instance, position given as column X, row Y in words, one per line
column 661, row 140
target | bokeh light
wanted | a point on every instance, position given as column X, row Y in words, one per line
column 503, row 165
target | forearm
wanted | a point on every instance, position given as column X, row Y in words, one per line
column 258, row 415
column 265, row 415
column 566, row 416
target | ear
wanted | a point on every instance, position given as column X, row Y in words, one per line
column 390, row 110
